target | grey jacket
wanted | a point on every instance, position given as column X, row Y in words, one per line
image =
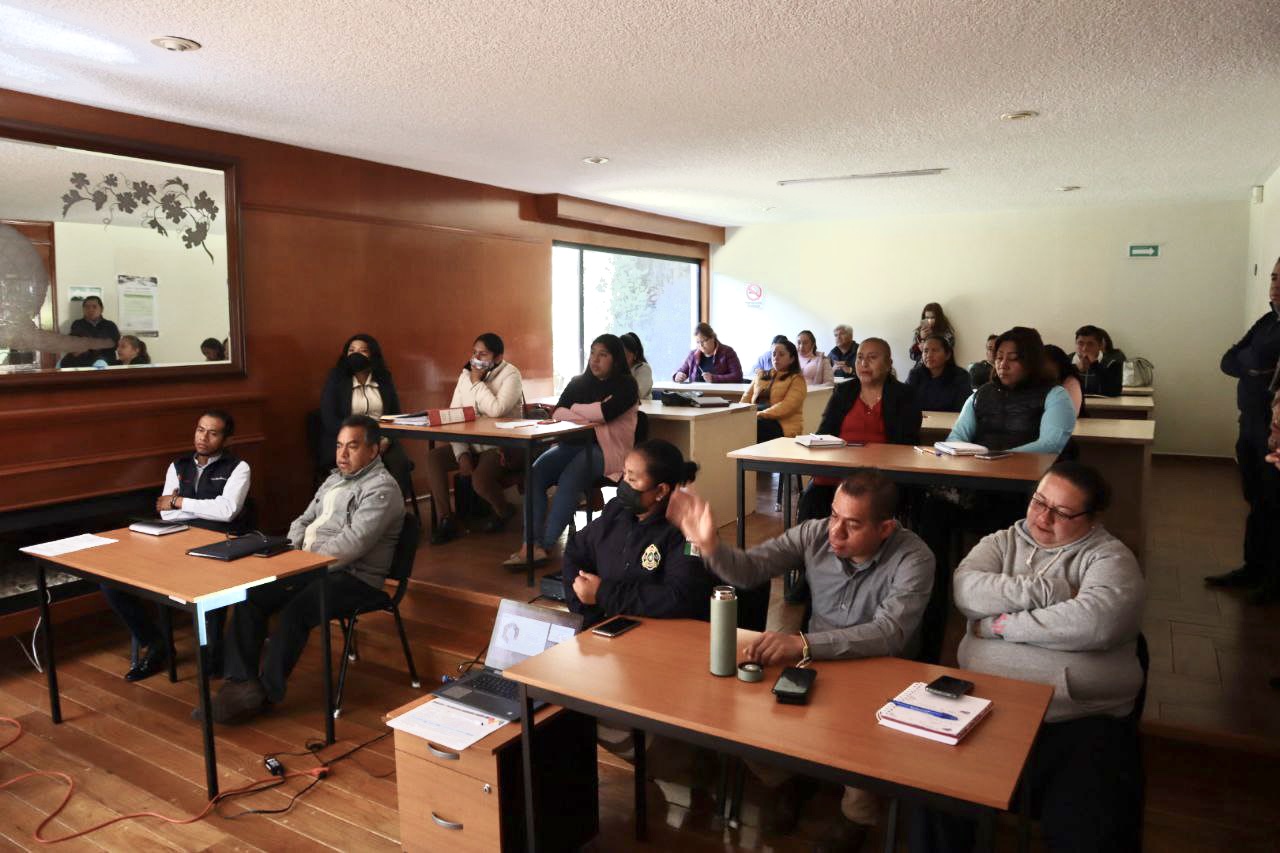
column 859, row 610
column 364, row 527
column 1074, row 616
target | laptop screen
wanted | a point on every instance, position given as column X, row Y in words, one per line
column 523, row 630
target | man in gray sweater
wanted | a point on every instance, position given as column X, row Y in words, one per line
column 355, row 518
column 870, row 580
column 1058, row 600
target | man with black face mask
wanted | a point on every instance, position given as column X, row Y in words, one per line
column 631, row 560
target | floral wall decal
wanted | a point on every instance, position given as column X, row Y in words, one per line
column 172, row 202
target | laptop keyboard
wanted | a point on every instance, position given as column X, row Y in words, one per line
column 497, row 685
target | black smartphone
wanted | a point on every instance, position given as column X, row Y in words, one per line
column 946, row 685
column 615, row 626
column 995, row 454
column 794, row 685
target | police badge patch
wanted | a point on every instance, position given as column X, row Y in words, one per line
column 650, row 558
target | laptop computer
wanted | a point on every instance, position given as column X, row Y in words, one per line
column 520, row 631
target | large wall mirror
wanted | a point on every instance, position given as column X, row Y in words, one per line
column 117, row 262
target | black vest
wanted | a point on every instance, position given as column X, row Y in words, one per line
column 212, row 482
column 1008, row 417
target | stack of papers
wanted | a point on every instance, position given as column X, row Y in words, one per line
column 918, row 712
column 514, row 424
column 960, row 448
column 817, row 440
column 71, row 544
column 447, row 724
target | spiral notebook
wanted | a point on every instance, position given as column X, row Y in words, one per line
column 935, row 717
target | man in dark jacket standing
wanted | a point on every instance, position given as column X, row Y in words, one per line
column 1253, row 362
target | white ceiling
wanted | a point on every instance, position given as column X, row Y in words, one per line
column 703, row 106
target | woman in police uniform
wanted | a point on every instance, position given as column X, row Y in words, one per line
column 631, row 560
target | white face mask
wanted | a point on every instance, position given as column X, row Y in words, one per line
column 477, row 364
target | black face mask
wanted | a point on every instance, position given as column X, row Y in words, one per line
column 357, row 362
column 631, row 499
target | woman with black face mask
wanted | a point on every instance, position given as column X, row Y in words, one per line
column 631, row 559
column 359, row 384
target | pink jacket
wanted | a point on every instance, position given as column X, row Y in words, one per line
column 616, row 437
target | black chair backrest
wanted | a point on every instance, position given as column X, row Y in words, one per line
column 1144, row 661
column 400, row 467
column 406, row 550
column 315, row 432
column 642, row 427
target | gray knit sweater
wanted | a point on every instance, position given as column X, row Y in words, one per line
column 1074, row 616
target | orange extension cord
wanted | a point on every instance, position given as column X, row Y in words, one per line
column 257, row 784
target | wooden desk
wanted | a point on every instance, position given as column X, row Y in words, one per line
column 473, row 800
column 1019, row 472
column 1135, row 408
column 158, row 568
column 815, row 399
column 1120, row 449
column 1137, row 391
column 485, row 431
column 706, row 436
column 655, row 679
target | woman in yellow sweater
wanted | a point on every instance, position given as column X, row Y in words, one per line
column 779, row 395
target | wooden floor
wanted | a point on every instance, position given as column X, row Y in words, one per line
column 134, row 747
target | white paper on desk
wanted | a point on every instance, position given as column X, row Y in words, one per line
column 59, row 547
column 447, row 724
column 514, row 424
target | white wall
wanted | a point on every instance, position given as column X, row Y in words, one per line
column 192, row 292
column 1052, row 269
column 1264, row 249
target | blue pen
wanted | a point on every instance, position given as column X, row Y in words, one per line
column 928, row 711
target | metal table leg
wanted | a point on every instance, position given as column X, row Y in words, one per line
column 206, row 706
column 526, row 750
column 742, row 505
column 326, row 651
column 528, row 511
column 637, row 735
column 50, row 666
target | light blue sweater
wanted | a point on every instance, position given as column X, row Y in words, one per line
column 1056, row 424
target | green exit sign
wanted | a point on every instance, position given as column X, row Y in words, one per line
column 1144, row 250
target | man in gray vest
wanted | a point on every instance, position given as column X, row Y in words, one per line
column 208, row 489
column 355, row 518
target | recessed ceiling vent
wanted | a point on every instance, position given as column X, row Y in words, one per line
column 867, row 176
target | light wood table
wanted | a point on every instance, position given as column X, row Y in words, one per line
column 655, row 679
column 158, row 568
column 815, row 399
column 1119, row 448
column 1137, row 391
column 904, row 463
column 530, row 439
column 1133, row 408
column 473, row 799
column 706, row 436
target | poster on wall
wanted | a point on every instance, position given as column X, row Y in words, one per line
column 137, row 297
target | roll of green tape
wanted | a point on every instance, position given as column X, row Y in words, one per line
column 750, row 672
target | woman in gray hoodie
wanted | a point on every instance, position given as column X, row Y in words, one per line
column 1058, row 600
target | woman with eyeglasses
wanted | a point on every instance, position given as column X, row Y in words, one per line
column 1057, row 599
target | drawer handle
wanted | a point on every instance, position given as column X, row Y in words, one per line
column 442, row 753
column 447, row 824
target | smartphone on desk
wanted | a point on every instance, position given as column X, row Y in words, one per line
column 794, row 685
column 273, row 550
column 949, row 686
column 615, row 626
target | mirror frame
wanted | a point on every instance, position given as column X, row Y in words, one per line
column 229, row 166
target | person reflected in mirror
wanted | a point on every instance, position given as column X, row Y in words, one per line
column 93, row 325
column 213, row 350
column 131, row 351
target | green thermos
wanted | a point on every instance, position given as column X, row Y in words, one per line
column 724, row 630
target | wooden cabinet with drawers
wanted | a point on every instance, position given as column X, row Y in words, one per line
column 473, row 800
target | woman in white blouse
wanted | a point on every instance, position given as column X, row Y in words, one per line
column 815, row 366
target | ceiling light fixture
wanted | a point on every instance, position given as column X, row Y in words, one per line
column 1019, row 115
column 1067, row 188
column 868, row 176
column 177, row 44
column 595, row 161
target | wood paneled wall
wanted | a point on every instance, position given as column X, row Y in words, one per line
column 332, row 246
